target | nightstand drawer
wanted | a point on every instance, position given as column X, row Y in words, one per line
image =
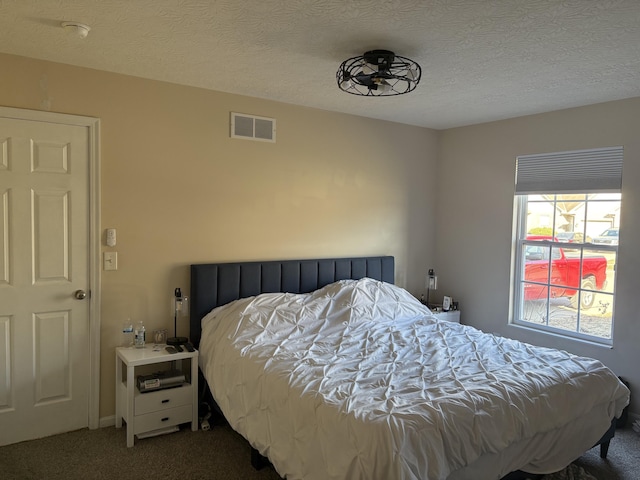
column 163, row 399
column 162, row 419
column 450, row 316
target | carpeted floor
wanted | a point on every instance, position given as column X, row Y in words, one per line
column 219, row 454
column 622, row 462
column 572, row 472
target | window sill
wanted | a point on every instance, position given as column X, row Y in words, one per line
column 554, row 333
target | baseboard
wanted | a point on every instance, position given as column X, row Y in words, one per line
column 109, row 421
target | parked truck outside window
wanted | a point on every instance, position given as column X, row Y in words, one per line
column 549, row 265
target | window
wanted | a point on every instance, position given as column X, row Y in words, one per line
column 566, row 245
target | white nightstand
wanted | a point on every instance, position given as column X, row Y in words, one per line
column 450, row 316
column 156, row 410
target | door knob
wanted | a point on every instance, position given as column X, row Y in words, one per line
column 80, row 294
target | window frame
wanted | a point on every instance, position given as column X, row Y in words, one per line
column 518, row 280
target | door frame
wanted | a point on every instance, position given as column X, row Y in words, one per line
column 94, row 287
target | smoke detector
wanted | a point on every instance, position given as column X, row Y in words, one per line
column 79, row 29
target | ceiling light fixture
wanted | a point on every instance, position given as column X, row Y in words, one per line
column 79, row 29
column 378, row 73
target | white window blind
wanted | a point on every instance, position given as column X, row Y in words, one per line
column 584, row 171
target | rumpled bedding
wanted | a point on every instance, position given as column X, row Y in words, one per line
column 358, row 380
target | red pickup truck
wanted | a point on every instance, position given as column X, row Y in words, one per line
column 565, row 274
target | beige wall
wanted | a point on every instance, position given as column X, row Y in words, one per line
column 179, row 190
column 475, row 225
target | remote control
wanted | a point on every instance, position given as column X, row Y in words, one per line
column 178, row 348
column 189, row 347
column 170, row 349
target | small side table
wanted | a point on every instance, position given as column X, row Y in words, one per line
column 450, row 316
column 160, row 409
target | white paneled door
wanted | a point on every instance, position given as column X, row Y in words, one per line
column 44, row 279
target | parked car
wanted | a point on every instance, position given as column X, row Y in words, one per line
column 565, row 274
column 572, row 237
column 608, row 237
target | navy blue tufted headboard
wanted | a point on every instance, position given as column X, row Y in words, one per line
column 215, row 284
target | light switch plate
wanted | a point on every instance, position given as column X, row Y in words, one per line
column 110, row 260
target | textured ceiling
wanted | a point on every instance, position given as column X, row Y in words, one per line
column 482, row 60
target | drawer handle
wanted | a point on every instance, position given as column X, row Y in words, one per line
column 166, row 401
column 165, row 419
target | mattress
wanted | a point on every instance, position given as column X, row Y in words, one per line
column 358, row 380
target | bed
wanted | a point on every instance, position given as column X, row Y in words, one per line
column 346, row 376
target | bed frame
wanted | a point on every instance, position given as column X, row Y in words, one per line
column 216, row 284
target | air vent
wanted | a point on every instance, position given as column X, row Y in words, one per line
column 251, row 127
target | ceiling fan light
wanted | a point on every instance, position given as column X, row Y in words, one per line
column 378, row 73
column 368, row 68
column 384, row 87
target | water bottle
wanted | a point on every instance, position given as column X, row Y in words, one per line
column 127, row 333
column 140, row 334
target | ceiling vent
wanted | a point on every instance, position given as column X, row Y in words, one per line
column 251, row 127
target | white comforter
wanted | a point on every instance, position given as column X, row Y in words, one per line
column 359, row 381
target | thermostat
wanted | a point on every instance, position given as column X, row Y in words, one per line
column 111, row 237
